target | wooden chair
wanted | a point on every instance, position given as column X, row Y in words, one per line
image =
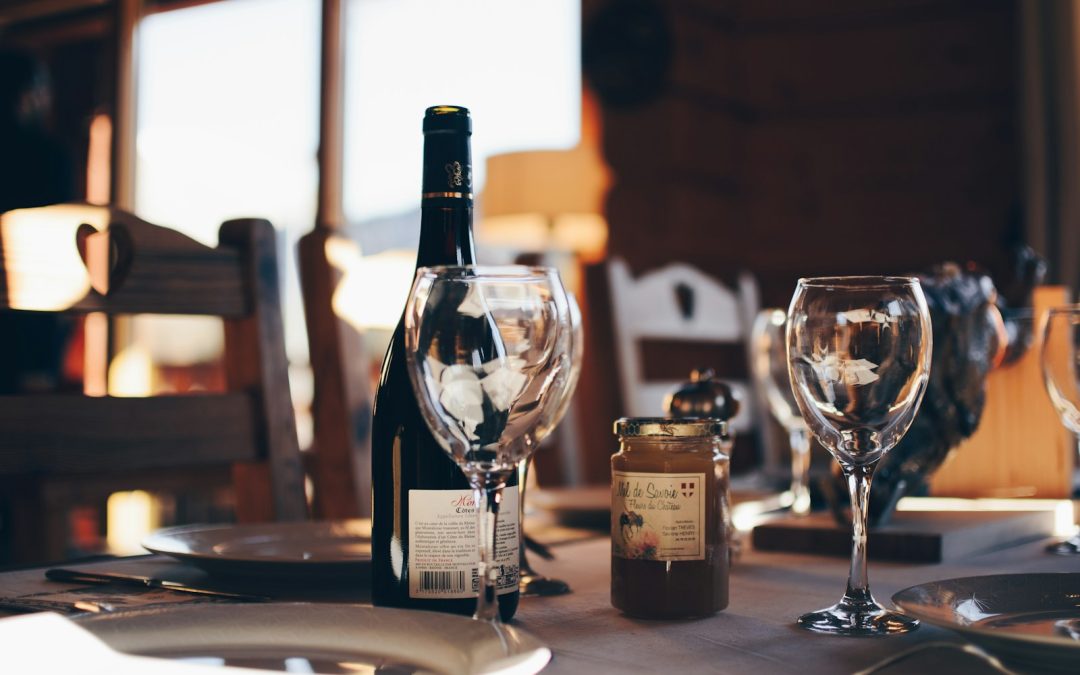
column 340, row 458
column 677, row 306
column 59, row 448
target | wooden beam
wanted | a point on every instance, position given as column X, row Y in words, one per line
column 128, row 13
column 332, row 116
column 155, row 6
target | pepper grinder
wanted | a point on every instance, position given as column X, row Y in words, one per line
column 704, row 395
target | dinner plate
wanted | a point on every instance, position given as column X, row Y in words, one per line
column 1030, row 620
column 322, row 638
column 303, row 550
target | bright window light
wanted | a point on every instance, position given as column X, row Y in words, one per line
column 228, row 124
column 514, row 63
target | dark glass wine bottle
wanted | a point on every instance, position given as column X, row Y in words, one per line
column 419, row 494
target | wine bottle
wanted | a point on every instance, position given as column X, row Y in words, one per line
column 423, row 536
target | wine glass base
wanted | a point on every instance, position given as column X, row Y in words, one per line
column 540, row 586
column 796, row 506
column 862, row 620
column 1070, row 546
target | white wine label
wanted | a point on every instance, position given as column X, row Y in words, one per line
column 443, row 550
column 658, row 516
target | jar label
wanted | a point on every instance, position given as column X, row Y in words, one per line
column 658, row 516
column 443, row 548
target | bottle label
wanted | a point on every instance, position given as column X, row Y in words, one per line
column 658, row 516
column 443, row 550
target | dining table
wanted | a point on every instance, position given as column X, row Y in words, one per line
column 756, row 633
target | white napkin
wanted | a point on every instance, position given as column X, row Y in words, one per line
column 48, row 643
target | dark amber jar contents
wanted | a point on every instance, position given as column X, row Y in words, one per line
column 670, row 520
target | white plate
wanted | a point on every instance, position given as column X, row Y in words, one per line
column 308, row 550
column 331, row 638
column 1024, row 619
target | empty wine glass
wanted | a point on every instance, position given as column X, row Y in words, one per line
column 483, row 348
column 769, row 363
column 859, row 359
column 532, row 582
column 1060, row 360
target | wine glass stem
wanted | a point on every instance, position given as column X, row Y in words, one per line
column 487, row 516
column 523, row 481
column 800, row 471
column 858, row 480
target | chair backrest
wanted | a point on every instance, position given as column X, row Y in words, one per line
column 80, row 259
column 679, row 303
column 340, row 455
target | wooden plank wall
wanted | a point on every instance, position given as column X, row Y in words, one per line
column 825, row 137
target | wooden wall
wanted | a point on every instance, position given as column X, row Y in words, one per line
column 803, row 137
column 74, row 41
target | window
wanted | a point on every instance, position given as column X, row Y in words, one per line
column 228, row 97
column 514, row 63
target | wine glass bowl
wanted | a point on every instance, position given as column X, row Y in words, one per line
column 859, row 356
column 769, row 364
column 486, row 352
column 481, row 339
column 562, row 390
column 859, row 360
column 1060, row 358
column 561, row 393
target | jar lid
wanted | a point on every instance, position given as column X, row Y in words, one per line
column 671, row 427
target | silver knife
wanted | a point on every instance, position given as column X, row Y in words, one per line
column 83, row 577
column 29, row 605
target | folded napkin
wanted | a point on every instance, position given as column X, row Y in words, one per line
column 49, row 643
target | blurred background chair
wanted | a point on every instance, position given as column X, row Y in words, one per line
column 682, row 318
column 59, row 449
column 340, row 457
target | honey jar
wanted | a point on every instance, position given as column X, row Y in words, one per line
column 670, row 519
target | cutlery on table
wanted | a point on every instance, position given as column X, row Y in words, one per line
column 82, row 577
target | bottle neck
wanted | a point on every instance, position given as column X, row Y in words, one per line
column 446, row 233
column 447, row 201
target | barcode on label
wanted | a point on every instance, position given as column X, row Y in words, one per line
column 442, row 581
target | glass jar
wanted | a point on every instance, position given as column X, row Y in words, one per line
column 670, row 521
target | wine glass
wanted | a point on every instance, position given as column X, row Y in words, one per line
column 859, row 359
column 769, row 363
column 532, row 582
column 1060, row 360
column 483, row 348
